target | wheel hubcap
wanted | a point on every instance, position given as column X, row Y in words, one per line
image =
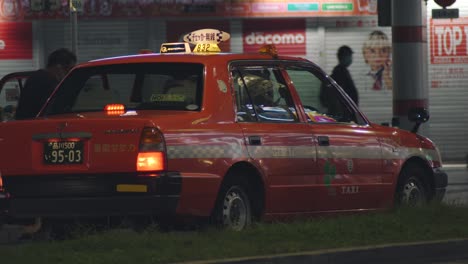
column 234, row 211
column 412, row 194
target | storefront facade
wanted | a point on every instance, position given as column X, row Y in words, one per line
column 311, row 30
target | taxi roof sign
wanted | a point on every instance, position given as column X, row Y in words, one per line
column 207, row 36
column 205, row 41
column 175, row 47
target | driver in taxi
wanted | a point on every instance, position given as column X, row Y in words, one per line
column 262, row 93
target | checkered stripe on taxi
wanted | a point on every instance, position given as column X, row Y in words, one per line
column 188, row 152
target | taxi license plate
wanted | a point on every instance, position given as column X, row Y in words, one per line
column 63, row 152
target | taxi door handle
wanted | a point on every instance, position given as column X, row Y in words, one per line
column 323, row 141
column 255, row 140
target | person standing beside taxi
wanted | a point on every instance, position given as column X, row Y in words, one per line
column 342, row 76
column 41, row 83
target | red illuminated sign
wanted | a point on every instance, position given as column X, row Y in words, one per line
column 288, row 35
column 449, row 41
column 15, row 40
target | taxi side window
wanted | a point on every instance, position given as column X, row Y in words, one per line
column 321, row 101
column 261, row 95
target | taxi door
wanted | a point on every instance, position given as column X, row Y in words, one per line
column 279, row 145
column 348, row 150
column 10, row 89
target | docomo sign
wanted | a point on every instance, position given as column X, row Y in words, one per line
column 449, row 41
column 259, row 38
column 292, row 43
column 288, row 35
column 286, row 43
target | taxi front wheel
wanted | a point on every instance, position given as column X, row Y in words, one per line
column 411, row 190
column 233, row 210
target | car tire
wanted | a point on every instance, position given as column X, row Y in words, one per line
column 411, row 190
column 233, row 208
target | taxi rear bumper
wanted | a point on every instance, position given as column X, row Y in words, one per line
column 65, row 196
column 92, row 206
column 3, row 207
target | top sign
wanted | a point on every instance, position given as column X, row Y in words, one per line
column 444, row 3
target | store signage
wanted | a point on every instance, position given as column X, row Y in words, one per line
column 53, row 9
column 445, row 13
column 301, row 7
column 287, row 35
column 337, row 7
column 449, row 41
column 268, row 7
column 15, row 40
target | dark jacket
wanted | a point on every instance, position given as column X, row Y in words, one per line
column 341, row 75
column 35, row 93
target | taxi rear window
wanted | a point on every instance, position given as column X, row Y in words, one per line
column 139, row 86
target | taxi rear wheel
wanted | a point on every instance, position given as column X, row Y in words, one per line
column 233, row 210
column 411, row 189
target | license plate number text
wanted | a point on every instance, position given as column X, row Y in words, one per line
column 63, row 152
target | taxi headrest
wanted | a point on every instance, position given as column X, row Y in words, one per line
column 258, row 85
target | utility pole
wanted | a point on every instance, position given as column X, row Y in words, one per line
column 410, row 69
column 74, row 25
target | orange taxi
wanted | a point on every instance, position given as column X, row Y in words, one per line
column 195, row 132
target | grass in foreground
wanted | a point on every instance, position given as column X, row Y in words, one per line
column 434, row 222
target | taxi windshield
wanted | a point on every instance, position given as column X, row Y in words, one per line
column 138, row 86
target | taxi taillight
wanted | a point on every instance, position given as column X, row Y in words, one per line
column 151, row 155
column 2, row 189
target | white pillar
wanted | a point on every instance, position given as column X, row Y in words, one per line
column 409, row 37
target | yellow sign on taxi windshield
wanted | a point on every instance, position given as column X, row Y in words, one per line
column 167, row 98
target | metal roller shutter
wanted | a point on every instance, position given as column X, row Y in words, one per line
column 98, row 38
column 353, row 32
column 448, row 92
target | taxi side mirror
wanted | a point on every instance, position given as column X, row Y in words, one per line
column 418, row 115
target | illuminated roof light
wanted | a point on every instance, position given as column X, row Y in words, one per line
column 269, row 49
column 175, row 47
column 206, row 40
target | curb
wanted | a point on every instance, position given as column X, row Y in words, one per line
column 10, row 234
column 415, row 253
